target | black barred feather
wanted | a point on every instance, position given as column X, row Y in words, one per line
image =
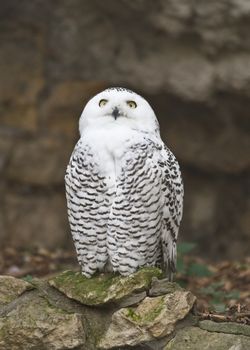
column 133, row 223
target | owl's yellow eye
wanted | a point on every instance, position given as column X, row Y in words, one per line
column 102, row 103
column 131, row 104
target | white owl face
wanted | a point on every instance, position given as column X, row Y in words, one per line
column 118, row 107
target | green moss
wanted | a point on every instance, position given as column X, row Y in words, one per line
column 81, row 287
column 151, row 316
column 147, row 316
column 133, row 315
column 103, row 288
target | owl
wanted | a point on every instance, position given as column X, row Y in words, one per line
column 123, row 187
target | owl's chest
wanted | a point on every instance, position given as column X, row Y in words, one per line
column 109, row 148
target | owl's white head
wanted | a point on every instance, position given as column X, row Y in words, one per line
column 118, row 106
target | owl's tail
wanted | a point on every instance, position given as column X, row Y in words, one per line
column 169, row 255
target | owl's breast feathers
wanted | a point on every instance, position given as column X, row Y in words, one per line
column 127, row 216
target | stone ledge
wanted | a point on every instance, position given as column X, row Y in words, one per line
column 194, row 338
column 104, row 288
column 225, row 327
column 134, row 312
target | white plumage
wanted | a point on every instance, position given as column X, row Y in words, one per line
column 123, row 187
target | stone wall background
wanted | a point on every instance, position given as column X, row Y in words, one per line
column 190, row 59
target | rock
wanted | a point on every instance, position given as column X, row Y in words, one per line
column 194, row 338
column 153, row 318
column 194, row 68
column 221, row 136
column 132, row 299
column 48, row 318
column 62, row 109
column 21, row 118
column 24, row 84
column 225, row 327
column 163, row 286
column 27, row 164
column 203, row 214
column 104, row 288
column 3, row 233
column 20, row 82
column 37, row 218
column 36, row 324
column 235, row 72
column 11, row 288
column 187, row 47
column 6, row 144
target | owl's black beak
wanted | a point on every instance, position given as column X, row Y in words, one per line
column 116, row 113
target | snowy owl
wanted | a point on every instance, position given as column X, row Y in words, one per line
column 123, row 187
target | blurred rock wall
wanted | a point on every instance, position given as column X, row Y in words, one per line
column 190, row 59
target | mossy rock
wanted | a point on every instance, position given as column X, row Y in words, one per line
column 225, row 327
column 35, row 324
column 103, row 288
column 194, row 338
column 154, row 318
column 11, row 288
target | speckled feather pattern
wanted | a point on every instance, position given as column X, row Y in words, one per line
column 125, row 198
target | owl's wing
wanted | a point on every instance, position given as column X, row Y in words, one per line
column 134, row 227
column 88, row 202
column 146, row 211
column 173, row 192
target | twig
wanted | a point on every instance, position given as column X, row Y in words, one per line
column 221, row 318
column 214, row 317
